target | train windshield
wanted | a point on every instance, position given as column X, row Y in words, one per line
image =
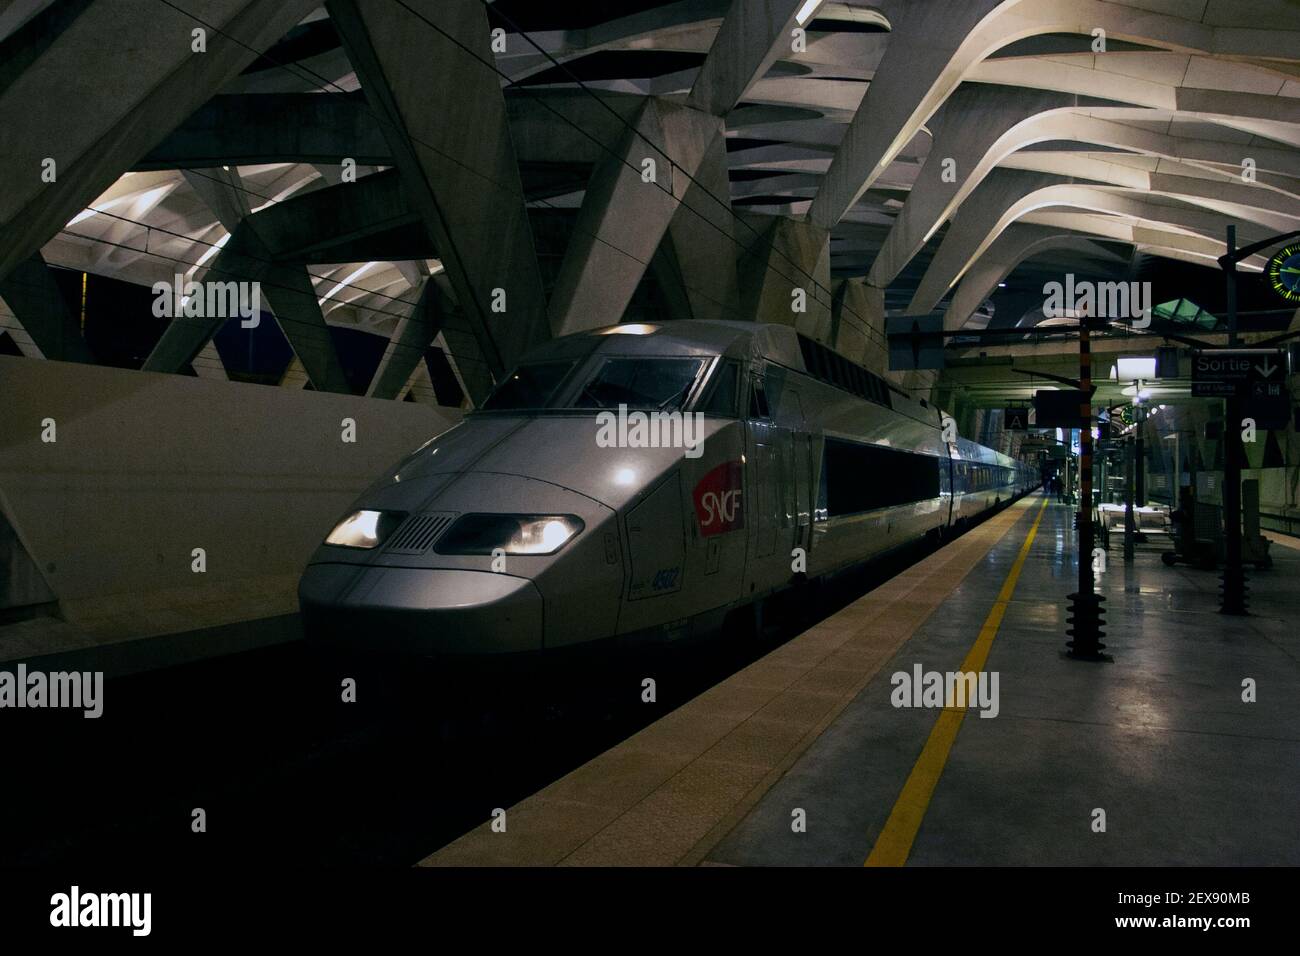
column 657, row 384
column 529, row 387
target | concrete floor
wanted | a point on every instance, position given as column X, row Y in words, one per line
column 1159, row 738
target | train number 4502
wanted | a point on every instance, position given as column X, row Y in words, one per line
column 665, row 579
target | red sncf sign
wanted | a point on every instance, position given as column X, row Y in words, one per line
column 718, row 507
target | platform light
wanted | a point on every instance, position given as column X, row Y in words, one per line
column 1131, row 368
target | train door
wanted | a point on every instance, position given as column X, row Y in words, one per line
column 764, row 473
column 803, row 474
column 948, row 487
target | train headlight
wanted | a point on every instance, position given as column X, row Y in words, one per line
column 365, row 529
column 513, row 534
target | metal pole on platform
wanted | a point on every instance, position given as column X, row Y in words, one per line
column 1085, row 605
column 1234, row 575
column 1128, row 499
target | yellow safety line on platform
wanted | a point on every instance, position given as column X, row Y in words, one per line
column 895, row 840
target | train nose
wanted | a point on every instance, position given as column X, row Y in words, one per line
column 479, row 564
column 429, row 612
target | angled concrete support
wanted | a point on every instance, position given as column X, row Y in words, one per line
column 937, row 43
column 918, row 71
column 789, row 266
column 348, row 222
column 988, row 207
column 248, row 129
column 286, row 286
column 1017, row 243
column 752, row 37
column 858, row 324
column 462, row 343
column 31, row 293
column 626, row 212
column 406, row 347
column 1007, row 194
column 78, row 125
column 221, row 190
column 702, row 238
column 288, row 289
column 445, row 119
column 970, row 124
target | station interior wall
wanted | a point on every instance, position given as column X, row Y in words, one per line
column 100, row 524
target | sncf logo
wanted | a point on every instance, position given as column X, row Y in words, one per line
column 718, row 507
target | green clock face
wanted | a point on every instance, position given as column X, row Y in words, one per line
column 1283, row 272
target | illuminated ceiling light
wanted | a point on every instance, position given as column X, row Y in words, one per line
column 344, row 282
column 211, row 251
column 806, row 11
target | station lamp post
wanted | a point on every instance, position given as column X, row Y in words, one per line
column 1234, row 575
column 1085, row 608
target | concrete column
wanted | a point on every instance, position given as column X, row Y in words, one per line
column 406, row 347
column 288, row 289
column 858, row 324
column 702, row 237
column 752, row 37
column 222, row 191
column 32, row 295
column 443, row 114
column 789, row 256
column 79, row 125
column 625, row 214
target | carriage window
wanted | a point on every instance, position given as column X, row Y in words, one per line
column 758, row 399
column 865, row 477
column 655, row 384
column 722, row 398
column 529, row 386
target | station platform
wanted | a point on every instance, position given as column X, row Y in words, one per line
column 1153, row 758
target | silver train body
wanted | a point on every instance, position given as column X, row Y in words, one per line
column 549, row 519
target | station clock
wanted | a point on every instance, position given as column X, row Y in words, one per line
column 1283, row 271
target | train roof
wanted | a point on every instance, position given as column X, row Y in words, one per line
column 742, row 340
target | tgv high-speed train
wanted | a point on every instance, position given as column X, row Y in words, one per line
column 639, row 483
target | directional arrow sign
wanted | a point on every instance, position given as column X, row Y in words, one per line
column 1222, row 373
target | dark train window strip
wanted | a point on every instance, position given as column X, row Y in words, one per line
column 829, row 366
column 860, row 477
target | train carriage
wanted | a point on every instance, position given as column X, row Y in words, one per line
column 640, row 483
